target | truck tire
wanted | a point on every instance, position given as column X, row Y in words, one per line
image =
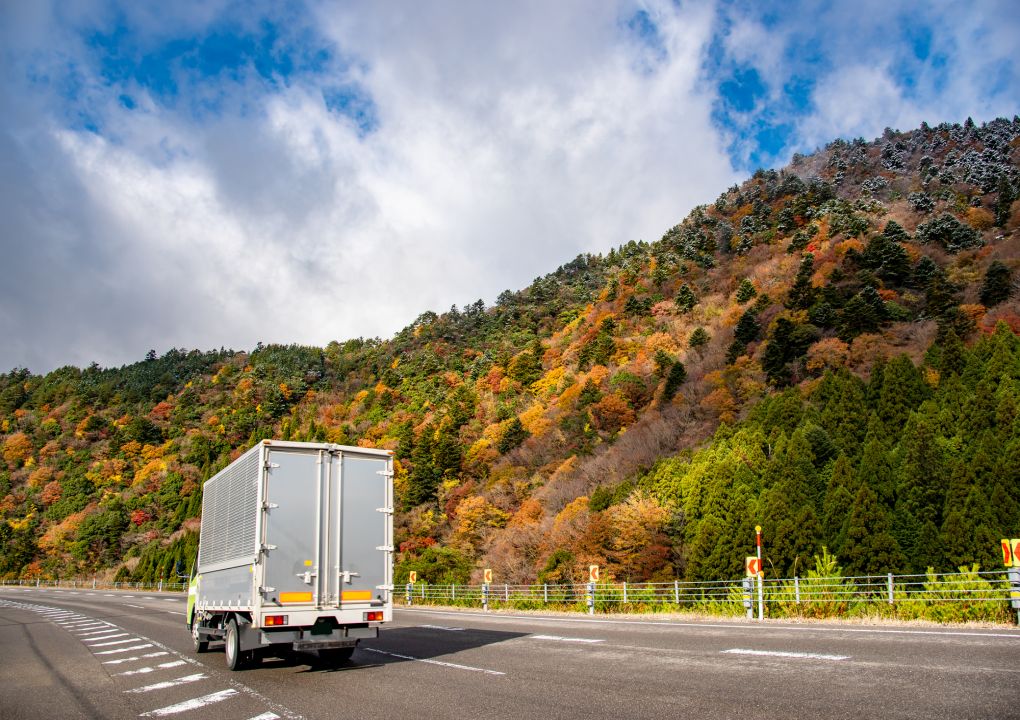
column 200, row 645
column 336, row 656
column 236, row 659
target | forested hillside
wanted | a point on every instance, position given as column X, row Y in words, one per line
column 829, row 351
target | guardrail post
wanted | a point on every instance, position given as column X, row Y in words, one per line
column 485, row 597
column 160, row 586
column 625, row 591
column 453, row 591
column 761, row 596
column 889, row 580
column 506, row 593
column 748, row 584
column 93, row 583
column 796, row 588
column 408, row 593
column 545, row 592
column 676, row 591
column 591, row 598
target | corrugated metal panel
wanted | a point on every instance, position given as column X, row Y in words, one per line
column 230, row 512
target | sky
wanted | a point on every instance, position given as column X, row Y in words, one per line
column 212, row 173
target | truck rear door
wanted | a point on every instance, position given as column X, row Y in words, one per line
column 362, row 554
column 292, row 539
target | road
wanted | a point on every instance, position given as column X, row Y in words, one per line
column 101, row 654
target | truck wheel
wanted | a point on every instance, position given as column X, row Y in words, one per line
column 199, row 644
column 236, row 659
column 336, row 656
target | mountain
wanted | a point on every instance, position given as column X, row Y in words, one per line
column 829, row 351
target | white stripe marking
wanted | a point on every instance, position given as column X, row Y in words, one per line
column 564, row 639
column 146, row 670
column 173, row 612
column 89, row 641
column 191, row 704
column 266, row 716
column 118, row 661
column 94, row 632
column 109, row 595
column 114, row 642
column 135, row 606
column 434, row 662
column 442, row 627
column 169, row 683
column 130, row 596
column 81, row 623
column 127, row 649
column 777, row 653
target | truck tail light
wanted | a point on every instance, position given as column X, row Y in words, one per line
column 375, row 616
column 275, row 620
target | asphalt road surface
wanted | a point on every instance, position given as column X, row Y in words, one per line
column 101, row 654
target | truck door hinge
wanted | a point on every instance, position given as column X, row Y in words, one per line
column 385, row 548
column 271, row 465
column 388, row 511
column 384, row 587
column 269, row 506
column 267, row 547
column 346, row 576
column 266, row 590
column 385, row 473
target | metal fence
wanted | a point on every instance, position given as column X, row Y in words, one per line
column 820, row 595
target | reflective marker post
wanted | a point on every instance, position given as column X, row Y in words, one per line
column 591, row 598
column 485, row 597
column 748, row 603
column 408, row 598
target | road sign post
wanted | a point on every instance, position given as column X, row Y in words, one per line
column 748, row 602
column 760, row 574
column 1014, row 591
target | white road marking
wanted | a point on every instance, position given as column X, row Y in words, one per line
column 434, row 662
column 109, row 595
column 80, row 623
column 169, row 683
column 136, row 658
column 135, row 606
column 173, row 612
column 564, row 639
column 777, row 653
column 84, row 635
column 114, row 642
column 127, row 649
column 266, row 716
column 91, row 640
column 85, row 629
column 192, row 704
column 146, row 670
column 442, row 627
column 130, row 596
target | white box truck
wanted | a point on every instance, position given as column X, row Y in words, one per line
column 295, row 552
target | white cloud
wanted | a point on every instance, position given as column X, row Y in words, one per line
column 508, row 142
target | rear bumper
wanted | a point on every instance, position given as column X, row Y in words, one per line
column 303, row 639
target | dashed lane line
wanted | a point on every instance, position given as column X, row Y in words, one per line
column 127, row 649
column 783, row 654
column 455, row 666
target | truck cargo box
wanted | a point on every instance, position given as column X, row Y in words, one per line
column 295, row 537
